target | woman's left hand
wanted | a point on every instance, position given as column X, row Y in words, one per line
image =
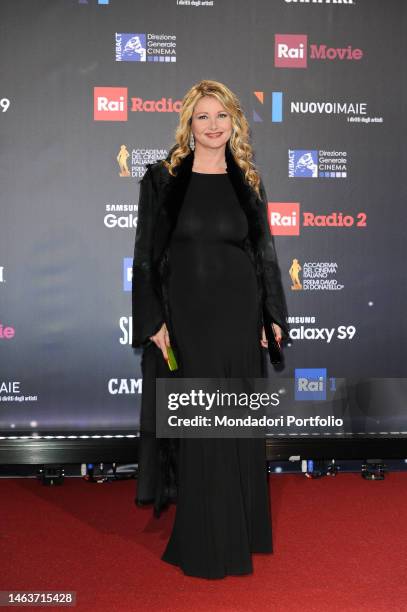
column 278, row 332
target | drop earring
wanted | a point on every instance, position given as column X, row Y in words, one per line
column 192, row 142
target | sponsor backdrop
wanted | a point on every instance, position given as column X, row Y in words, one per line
column 90, row 92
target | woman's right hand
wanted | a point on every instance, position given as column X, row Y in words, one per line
column 161, row 339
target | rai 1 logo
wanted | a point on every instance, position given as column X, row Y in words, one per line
column 127, row 273
column 312, row 383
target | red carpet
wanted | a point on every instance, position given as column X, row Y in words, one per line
column 340, row 544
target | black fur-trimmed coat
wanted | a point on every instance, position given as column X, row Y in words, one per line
column 160, row 200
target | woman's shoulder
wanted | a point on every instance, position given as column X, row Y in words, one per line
column 155, row 171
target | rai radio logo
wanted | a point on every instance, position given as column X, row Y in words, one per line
column 110, row 103
column 284, row 218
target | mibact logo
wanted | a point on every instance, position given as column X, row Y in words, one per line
column 303, row 163
column 310, row 384
column 156, row 48
column 130, row 47
column 291, row 51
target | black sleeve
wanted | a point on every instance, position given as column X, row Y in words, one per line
column 273, row 290
column 147, row 310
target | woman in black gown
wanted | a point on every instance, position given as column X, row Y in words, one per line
column 222, row 512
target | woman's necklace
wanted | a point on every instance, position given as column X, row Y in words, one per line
column 211, row 170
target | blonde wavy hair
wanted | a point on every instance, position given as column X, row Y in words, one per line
column 239, row 141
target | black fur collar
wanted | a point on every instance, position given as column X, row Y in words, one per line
column 175, row 189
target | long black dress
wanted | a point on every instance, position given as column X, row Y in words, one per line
column 222, row 512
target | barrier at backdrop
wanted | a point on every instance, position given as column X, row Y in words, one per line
column 90, row 92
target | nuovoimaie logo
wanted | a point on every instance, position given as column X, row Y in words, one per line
column 274, row 107
column 310, row 384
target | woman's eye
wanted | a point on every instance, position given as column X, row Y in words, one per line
column 221, row 114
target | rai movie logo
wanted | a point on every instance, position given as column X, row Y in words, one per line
column 290, row 50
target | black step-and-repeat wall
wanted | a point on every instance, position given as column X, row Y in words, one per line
column 90, row 92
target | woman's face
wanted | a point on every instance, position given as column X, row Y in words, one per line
column 211, row 123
